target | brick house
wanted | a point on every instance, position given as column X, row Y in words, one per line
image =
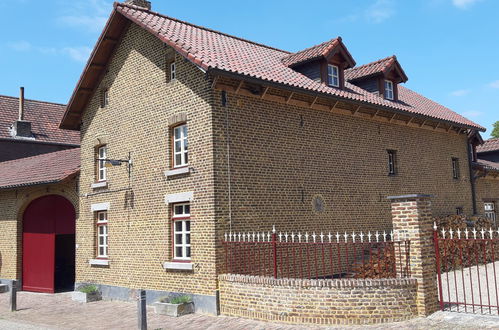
column 39, row 164
column 303, row 141
column 486, row 167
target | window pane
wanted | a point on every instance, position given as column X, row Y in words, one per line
column 187, row 238
column 178, row 146
column 178, row 159
column 178, row 209
column 188, row 226
column 176, row 133
column 184, row 127
column 188, row 252
column 178, row 225
column 186, row 158
column 178, row 251
column 187, row 209
column 178, row 238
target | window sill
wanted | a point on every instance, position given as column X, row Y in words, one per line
column 99, row 262
column 177, row 171
column 98, row 185
column 175, row 265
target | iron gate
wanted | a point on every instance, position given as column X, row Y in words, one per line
column 467, row 269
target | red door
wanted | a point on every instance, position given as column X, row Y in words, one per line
column 44, row 219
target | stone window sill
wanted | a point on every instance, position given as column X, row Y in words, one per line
column 177, row 265
column 177, row 171
column 98, row 185
column 99, row 262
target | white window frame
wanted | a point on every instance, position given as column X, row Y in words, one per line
column 101, row 163
column 102, row 224
column 389, row 94
column 183, row 217
column 392, row 162
column 333, row 78
column 490, row 211
column 173, row 71
column 183, row 152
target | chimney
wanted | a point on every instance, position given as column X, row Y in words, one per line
column 139, row 3
column 21, row 127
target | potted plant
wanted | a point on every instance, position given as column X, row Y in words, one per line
column 174, row 306
column 86, row 293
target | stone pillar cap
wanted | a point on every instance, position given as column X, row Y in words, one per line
column 410, row 196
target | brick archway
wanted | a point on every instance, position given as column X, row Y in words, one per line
column 48, row 245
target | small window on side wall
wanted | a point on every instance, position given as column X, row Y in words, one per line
column 333, row 75
column 173, row 71
column 392, row 162
column 455, row 168
column 181, row 217
column 459, row 211
column 104, row 98
column 389, row 95
column 490, row 211
column 101, row 170
column 180, row 146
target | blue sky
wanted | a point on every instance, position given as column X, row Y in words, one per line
column 448, row 48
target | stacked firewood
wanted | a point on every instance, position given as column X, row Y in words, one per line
column 376, row 262
column 456, row 254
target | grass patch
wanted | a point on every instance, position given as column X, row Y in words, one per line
column 88, row 288
column 176, row 300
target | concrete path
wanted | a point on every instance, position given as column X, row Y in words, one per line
column 58, row 311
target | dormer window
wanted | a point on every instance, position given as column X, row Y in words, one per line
column 388, row 90
column 333, row 75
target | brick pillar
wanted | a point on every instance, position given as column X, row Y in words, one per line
column 412, row 218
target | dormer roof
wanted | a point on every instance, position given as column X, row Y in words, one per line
column 379, row 67
column 324, row 50
column 489, row 146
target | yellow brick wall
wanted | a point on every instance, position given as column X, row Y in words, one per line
column 282, row 156
column 141, row 101
column 318, row 301
column 487, row 188
column 13, row 202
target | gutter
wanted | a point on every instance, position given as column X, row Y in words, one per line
column 40, row 142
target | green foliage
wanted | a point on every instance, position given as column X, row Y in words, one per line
column 495, row 131
column 176, row 300
column 88, row 289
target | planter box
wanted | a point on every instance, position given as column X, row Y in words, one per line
column 173, row 309
column 85, row 297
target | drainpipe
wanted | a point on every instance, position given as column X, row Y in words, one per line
column 472, row 178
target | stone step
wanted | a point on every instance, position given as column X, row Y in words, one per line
column 4, row 288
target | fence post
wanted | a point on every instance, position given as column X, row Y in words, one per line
column 274, row 247
column 437, row 259
column 412, row 219
column 142, row 310
column 13, row 296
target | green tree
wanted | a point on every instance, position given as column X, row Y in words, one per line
column 495, row 131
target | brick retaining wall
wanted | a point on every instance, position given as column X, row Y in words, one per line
column 337, row 301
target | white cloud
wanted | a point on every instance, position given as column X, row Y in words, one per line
column 472, row 114
column 79, row 54
column 464, row 4
column 494, row 84
column 90, row 15
column 380, row 11
column 460, row 92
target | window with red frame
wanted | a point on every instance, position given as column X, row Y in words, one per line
column 102, row 236
column 181, row 231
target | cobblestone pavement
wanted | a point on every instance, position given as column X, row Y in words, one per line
column 58, row 311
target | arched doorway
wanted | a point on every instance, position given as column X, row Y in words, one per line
column 49, row 245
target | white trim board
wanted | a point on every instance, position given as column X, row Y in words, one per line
column 179, row 197
column 100, row 207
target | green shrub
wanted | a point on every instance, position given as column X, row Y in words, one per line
column 176, row 300
column 88, row 288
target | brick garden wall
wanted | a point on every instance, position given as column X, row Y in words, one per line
column 13, row 202
column 342, row 302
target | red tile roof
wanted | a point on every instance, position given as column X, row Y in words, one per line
column 370, row 69
column 489, row 145
column 45, row 118
column 213, row 50
column 41, row 169
column 315, row 52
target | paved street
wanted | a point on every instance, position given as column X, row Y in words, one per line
column 55, row 312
